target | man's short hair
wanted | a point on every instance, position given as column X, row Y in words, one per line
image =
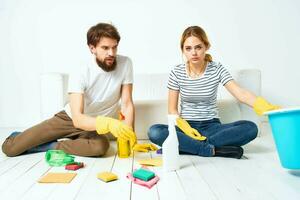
column 95, row 33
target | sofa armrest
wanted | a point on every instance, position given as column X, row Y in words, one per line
column 53, row 94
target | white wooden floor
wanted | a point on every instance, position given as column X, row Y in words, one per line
column 258, row 176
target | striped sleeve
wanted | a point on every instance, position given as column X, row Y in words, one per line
column 173, row 81
column 224, row 74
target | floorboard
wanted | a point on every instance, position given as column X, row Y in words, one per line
column 259, row 175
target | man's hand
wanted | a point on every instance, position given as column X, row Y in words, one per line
column 117, row 128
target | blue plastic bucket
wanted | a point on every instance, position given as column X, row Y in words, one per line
column 285, row 124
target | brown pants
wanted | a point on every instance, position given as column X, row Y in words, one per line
column 81, row 143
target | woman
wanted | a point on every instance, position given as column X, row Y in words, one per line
column 199, row 129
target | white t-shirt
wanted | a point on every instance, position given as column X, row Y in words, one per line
column 102, row 90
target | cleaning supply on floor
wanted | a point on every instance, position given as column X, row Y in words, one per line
column 123, row 145
column 107, row 176
column 58, row 158
column 148, row 184
column 57, row 178
column 159, row 151
column 123, row 148
column 143, row 174
column 145, row 147
column 285, row 124
column 170, row 146
column 151, row 162
column 74, row 166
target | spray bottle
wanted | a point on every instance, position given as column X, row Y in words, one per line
column 170, row 147
column 123, row 146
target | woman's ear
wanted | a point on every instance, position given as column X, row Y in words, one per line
column 207, row 47
column 183, row 58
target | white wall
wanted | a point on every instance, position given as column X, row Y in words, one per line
column 38, row 36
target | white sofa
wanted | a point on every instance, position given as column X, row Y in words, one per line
column 150, row 98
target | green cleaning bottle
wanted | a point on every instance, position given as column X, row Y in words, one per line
column 58, row 158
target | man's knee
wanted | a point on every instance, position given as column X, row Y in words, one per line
column 9, row 150
column 100, row 147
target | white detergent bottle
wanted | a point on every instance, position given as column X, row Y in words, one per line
column 170, row 150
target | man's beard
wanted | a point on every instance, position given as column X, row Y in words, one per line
column 105, row 67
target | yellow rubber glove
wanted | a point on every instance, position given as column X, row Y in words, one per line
column 117, row 128
column 188, row 130
column 146, row 147
column 261, row 105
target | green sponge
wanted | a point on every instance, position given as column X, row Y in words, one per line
column 143, row 174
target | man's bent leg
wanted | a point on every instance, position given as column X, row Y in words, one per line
column 87, row 144
column 54, row 128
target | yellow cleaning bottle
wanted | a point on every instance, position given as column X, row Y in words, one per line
column 123, row 146
column 124, row 149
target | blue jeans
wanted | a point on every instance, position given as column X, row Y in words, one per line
column 232, row 134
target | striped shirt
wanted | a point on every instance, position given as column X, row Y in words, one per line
column 199, row 95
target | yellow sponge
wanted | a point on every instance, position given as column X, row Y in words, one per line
column 107, row 176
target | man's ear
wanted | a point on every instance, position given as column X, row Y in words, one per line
column 92, row 49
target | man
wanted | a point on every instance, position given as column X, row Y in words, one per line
column 94, row 94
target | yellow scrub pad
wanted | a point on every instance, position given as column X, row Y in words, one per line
column 151, row 162
column 57, row 178
column 107, row 176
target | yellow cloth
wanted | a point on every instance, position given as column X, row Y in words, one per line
column 117, row 128
column 188, row 130
column 261, row 105
column 146, row 147
column 107, row 176
column 151, row 162
column 57, row 178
